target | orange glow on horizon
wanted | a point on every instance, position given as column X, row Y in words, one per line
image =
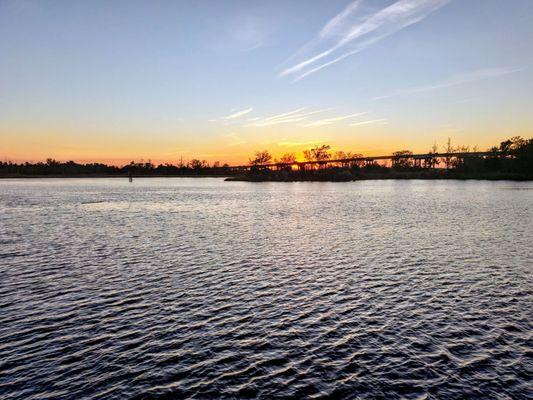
column 119, row 149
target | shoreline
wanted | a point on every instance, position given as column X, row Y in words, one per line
column 345, row 176
column 289, row 179
column 59, row 176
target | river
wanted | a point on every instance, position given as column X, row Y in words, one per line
column 177, row 287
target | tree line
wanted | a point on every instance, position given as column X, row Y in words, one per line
column 514, row 156
column 71, row 168
column 517, row 158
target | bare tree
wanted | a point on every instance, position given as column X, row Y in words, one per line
column 318, row 153
column 448, row 149
column 512, row 144
column 287, row 158
column 198, row 164
column 340, row 155
column 261, row 158
column 432, row 161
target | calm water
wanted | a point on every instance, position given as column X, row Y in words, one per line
column 173, row 288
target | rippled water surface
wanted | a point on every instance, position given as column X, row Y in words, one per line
column 174, row 288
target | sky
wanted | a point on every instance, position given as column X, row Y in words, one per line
column 121, row 80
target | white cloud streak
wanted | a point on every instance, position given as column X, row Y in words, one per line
column 461, row 79
column 239, row 114
column 334, row 24
column 300, row 117
column 276, row 122
column 297, row 115
column 352, row 32
column 329, row 121
column 371, row 122
column 274, row 117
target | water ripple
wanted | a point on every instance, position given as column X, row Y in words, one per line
column 198, row 288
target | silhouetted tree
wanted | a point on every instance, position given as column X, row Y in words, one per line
column 261, row 158
column 287, row 158
column 433, row 161
column 512, row 144
column 340, row 155
column 198, row 164
column 449, row 149
column 318, row 153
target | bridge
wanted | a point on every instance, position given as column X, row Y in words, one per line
column 427, row 160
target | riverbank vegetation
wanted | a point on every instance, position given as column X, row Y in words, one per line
column 512, row 159
column 52, row 167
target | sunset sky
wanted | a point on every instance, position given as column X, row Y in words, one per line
column 115, row 81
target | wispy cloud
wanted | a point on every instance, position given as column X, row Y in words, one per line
column 297, row 115
column 381, row 121
column 329, row 121
column 284, row 115
column 302, row 117
column 456, row 80
column 351, row 31
column 335, row 25
column 239, row 114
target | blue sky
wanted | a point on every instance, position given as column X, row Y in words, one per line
column 115, row 80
